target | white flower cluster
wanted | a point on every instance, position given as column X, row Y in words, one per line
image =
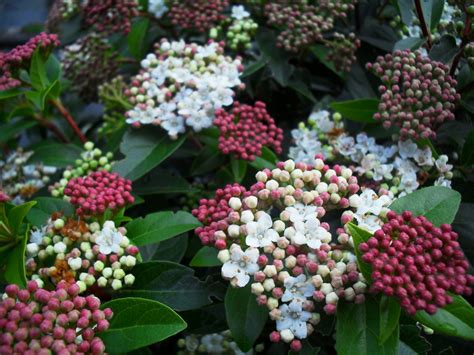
column 182, row 85
column 399, row 168
column 157, row 7
column 83, row 253
column 19, row 179
column 215, row 343
column 277, row 240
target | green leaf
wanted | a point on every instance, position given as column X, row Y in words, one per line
column 144, row 149
column 360, row 110
column 406, row 8
column 455, row 319
column 253, row 67
column 268, row 159
column 159, row 226
column 467, row 155
column 436, row 13
column 444, row 50
column 39, row 79
column 48, row 154
column 302, row 88
column 411, row 340
column 389, row 316
column 360, row 235
column 358, row 329
column 205, row 257
column 321, row 52
column 162, row 181
column 307, row 349
column 245, row 317
column 7, row 94
column 437, row 203
column 52, row 91
column 277, row 58
column 409, row 43
column 207, row 160
column 169, row 250
column 36, row 98
column 45, row 207
column 17, row 215
column 173, row 284
column 15, row 272
column 11, row 129
column 136, row 37
column 53, row 68
column 239, row 169
column 139, row 322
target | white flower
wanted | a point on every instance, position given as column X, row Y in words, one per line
column 322, row 121
column 241, row 265
column 424, row 157
column 213, row 343
column 199, row 120
column 59, row 248
column 173, row 124
column 383, row 171
column 408, row 182
column 441, row 164
column 297, row 288
column 371, row 203
column 345, row 145
column 442, row 181
column 301, row 213
column 368, row 222
column 261, row 233
column 239, row 13
column 109, row 239
column 311, row 233
column 294, row 318
column 37, row 234
column 157, row 7
column 407, row 149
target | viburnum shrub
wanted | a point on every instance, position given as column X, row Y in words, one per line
column 237, row 177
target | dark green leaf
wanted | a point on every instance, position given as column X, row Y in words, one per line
column 361, row 110
column 321, row 52
column 409, row 43
column 302, row 88
column 173, row 284
column 406, row 8
column 445, row 50
column 360, row 235
column 205, row 257
column 245, row 317
column 139, row 322
column 53, row 68
column 389, row 316
column 45, row 207
column 358, row 330
column 412, row 341
column 162, row 181
column 36, row 98
column 136, row 37
column 49, row 154
column 15, row 272
column 11, row 129
column 253, row 67
column 17, row 215
column 437, row 203
column 172, row 249
column 436, row 13
column 268, row 159
column 144, row 149
column 159, row 226
column 7, row 94
column 455, row 319
column 38, row 77
column 239, row 169
column 207, row 160
column 467, row 156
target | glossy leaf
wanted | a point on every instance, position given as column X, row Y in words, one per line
column 389, row 317
column 409, row 43
column 360, row 235
column 360, row 110
column 139, row 322
column 205, row 257
column 245, row 317
column 159, row 226
column 136, row 38
column 172, row 284
column 17, row 215
column 13, row 128
column 48, row 154
column 437, row 203
column 445, row 50
column 144, row 149
column 7, row 94
column 38, row 77
column 45, row 207
column 15, row 272
column 162, row 181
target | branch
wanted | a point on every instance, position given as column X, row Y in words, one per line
column 52, row 127
column 424, row 28
column 64, row 112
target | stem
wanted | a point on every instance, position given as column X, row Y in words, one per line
column 64, row 112
column 52, row 127
column 424, row 28
column 464, row 41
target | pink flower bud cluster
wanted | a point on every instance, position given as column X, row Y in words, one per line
column 342, row 51
column 99, row 191
column 36, row 321
column 304, row 24
column 110, row 16
column 417, row 93
column 20, row 57
column 213, row 212
column 417, row 262
column 4, row 197
column 85, row 254
column 246, row 130
column 197, row 15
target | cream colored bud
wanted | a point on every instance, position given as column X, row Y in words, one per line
column 279, row 226
column 290, row 262
column 270, row 270
column 349, row 294
column 286, row 335
column 235, row 203
column 223, row 255
column 251, row 201
column 272, row 185
column 331, row 298
column 322, row 187
column 247, row 216
column 323, row 270
column 233, row 230
column 257, row 288
column 297, row 174
column 268, row 285
column 261, row 176
column 272, row 303
column 326, row 288
column 289, row 165
column 317, row 281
